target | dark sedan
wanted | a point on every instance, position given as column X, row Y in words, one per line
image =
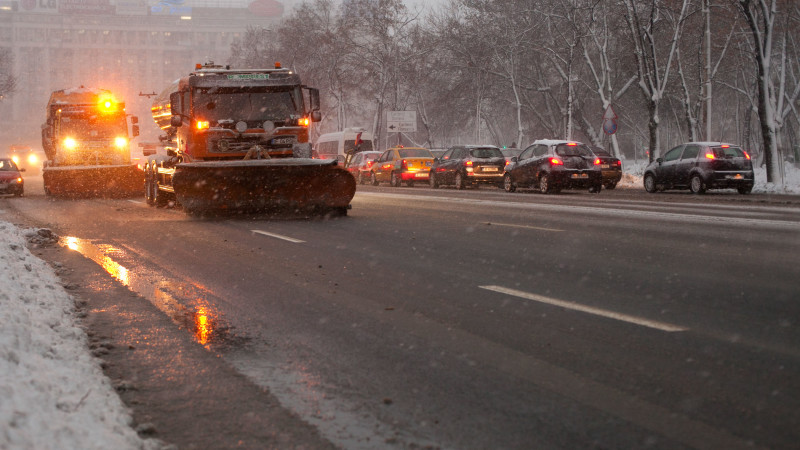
column 468, row 165
column 11, row 181
column 610, row 167
column 553, row 165
column 699, row 166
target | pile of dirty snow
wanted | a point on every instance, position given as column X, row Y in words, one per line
column 53, row 394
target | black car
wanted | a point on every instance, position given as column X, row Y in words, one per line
column 11, row 181
column 610, row 167
column 553, row 165
column 699, row 166
column 468, row 165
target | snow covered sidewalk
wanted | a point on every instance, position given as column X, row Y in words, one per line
column 53, row 393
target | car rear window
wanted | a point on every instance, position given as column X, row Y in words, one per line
column 415, row 153
column 486, row 152
column 573, row 150
column 728, row 152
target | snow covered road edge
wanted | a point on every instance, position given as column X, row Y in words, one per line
column 53, row 393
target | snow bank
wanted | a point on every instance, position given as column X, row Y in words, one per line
column 53, row 394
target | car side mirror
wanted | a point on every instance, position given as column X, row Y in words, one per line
column 514, row 159
column 659, row 160
column 22, row 169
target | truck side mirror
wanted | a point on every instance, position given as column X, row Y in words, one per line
column 175, row 103
column 135, row 130
column 316, row 116
column 175, row 121
column 134, row 119
column 313, row 94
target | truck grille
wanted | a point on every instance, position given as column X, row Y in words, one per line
column 243, row 144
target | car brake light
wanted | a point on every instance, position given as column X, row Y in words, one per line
column 710, row 155
column 725, row 146
column 572, row 144
column 597, row 161
column 404, row 166
column 556, row 162
column 619, row 163
column 468, row 163
column 369, row 164
column 746, row 155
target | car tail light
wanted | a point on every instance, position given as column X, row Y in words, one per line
column 369, row 164
column 710, row 155
column 468, row 163
column 556, row 162
column 597, row 161
column 724, row 146
column 404, row 165
column 619, row 163
column 746, row 155
column 572, row 144
column 508, row 161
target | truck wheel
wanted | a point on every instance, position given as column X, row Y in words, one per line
column 149, row 198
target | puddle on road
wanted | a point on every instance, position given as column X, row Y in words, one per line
column 185, row 303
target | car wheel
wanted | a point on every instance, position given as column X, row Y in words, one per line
column 433, row 181
column 696, row 184
column 596, row 188
column 744, row 190
column 545, row 186
column 508, row 185
column 459, row 181
column 373, row 180
column 360, row 179
column 650, row 183
column 394, row 180
column 610, row 185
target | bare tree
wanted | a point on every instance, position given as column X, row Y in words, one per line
column 647, row 22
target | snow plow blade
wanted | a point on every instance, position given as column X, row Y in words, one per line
column 287, row 184
column 93, row 181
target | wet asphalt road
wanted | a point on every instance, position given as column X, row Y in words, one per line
column 482, row 319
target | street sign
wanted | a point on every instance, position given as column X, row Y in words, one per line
column 401, row 121
column 610, row 121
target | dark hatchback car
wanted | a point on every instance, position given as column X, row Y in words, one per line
column 610, row 167
column 11, row 181
column 468, row 165
column 699, row 166
column 553, row 165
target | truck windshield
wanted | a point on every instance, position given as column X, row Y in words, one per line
column 234, row 104
column 93, row 126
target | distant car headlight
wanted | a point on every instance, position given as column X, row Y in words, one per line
column 15, row 158
column 32, row 159
column 70, row 143
column 120, row 142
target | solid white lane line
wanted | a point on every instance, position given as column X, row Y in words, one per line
column 587, row 309
column 522, row 226
column 138, row 202
column 278, row 236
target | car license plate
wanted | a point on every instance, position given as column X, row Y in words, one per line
column 420, row 174
column 490, row 169
column 604, row 166
column 284, row 140
column 580, row 175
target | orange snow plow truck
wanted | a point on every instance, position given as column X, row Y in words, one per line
column 85, row 139
column 237, row 141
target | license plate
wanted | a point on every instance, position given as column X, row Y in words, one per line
column 285, row 140
column 738, row 176
column 604, row 166
column 490, row 169
column 580, row 175
column 420, row 174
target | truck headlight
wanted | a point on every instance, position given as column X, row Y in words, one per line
column 70, row 143
column 120, row 142
column 32, row 159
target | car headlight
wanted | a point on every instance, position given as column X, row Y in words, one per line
column 32, row 159
column 15, row 158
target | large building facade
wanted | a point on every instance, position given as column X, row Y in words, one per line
column 131, row 47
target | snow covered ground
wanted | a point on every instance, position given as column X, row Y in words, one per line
column 53, row 394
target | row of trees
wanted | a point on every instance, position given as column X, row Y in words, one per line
column 7, row 81
column 511, row 71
